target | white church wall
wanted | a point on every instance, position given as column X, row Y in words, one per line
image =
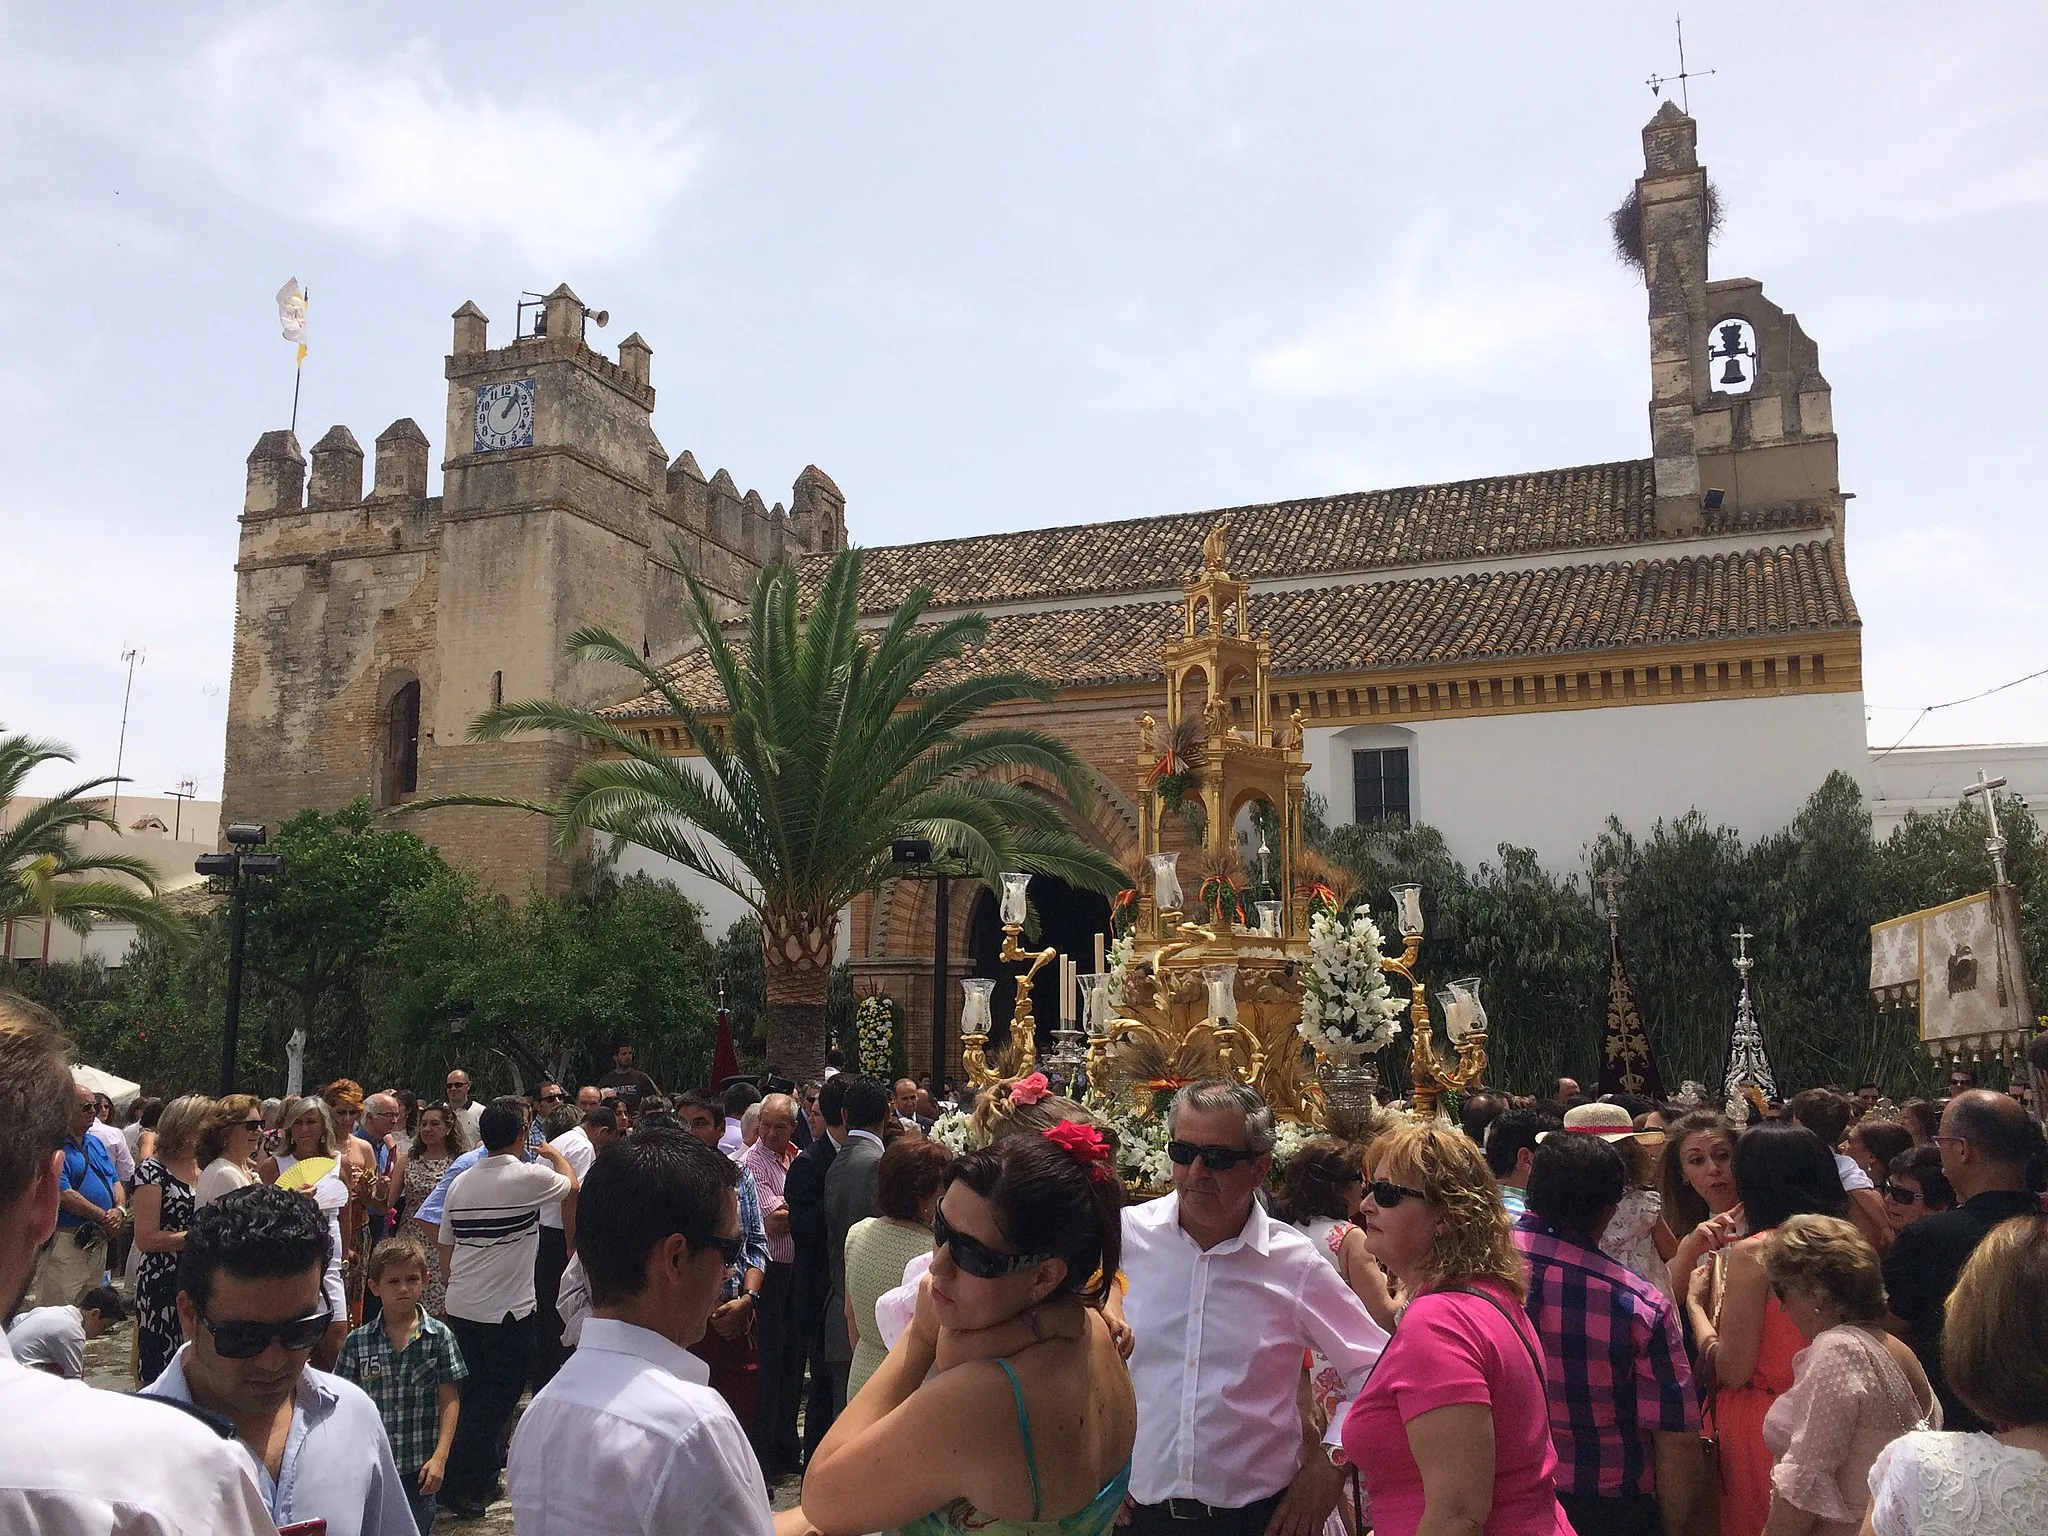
column 1932, row 779
column 1549, row 781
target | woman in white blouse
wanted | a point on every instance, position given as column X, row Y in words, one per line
column 1994, row 1351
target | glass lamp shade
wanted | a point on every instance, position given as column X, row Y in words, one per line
column 1166, row 893
column 974, row 1010
column 1222, row 983
column 1014, row 886
column 1269, row 917
column 1095, row 1002
column 1470, row 1017
column 1408, row 909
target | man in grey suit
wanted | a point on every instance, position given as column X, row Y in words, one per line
column 850, row 1197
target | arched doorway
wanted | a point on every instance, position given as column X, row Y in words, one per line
column 1068, row 920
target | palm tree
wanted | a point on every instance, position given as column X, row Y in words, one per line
column 40, row 865
column 834, row 742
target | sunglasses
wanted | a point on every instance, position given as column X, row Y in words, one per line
column 551, row 1098
column 973, row 1257
column 1899, row 1194
column 1215, row 1159
column 1388, row 1195
column 729, row 1248
column 245, row 1341
column 252, row 1125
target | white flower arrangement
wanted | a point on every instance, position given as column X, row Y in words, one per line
column 1119, row 959
column 955, row 1132
column 1347, row 1009
column 874, row 1034
column 1289, row 1137
column 1141, row 1150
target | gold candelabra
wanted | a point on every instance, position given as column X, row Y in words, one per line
column 1022, row 1054
column 1430, row 1076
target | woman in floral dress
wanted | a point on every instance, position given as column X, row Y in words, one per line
column 437, row 1144
column 163, row 1210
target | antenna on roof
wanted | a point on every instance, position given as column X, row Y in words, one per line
column 1658, row 82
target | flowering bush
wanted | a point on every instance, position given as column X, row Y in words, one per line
column 1347, row 1008
column 874, row 1034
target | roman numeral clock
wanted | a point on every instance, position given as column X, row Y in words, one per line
column 504, row 415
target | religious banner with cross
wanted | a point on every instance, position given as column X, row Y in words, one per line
column 1627, row 1063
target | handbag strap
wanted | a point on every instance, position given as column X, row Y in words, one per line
column 1501, row 1307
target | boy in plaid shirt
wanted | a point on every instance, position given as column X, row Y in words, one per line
column 409, row 1363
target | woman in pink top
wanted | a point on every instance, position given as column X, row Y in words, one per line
column 1452, row 1431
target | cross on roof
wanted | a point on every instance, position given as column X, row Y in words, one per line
column 1658, row 82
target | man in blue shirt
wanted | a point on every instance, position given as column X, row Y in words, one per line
column 91, row 1210
column 250, row 1302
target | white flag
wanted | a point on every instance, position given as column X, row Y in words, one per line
column 291, row 314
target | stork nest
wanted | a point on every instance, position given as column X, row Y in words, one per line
column 1626, row 226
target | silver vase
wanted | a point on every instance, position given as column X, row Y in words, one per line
column 1350, row 1085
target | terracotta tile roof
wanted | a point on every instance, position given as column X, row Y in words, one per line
column 1795, row 589
column 1592, row 507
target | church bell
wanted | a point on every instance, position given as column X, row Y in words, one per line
column 1732, row 373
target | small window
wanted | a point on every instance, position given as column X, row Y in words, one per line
column 402, row 749
column 497, row 689
column 1379, row 785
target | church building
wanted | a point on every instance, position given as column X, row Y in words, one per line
column 1512, row 659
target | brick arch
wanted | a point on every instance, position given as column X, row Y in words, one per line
column 900, row 922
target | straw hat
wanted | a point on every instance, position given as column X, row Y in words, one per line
column 1610, row 1122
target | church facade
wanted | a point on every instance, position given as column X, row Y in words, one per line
column 1510, row 659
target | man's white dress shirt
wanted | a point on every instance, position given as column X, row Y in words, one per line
column 579, row 1154
column 77, row 1461
column 50, row 1336
column 1218, row 1361
column 110, row 1137
column 629, row 1437
column 337, row 1462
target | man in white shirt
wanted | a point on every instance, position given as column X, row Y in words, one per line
column 73, row 1459
column 467, row 1110
column 629, row 1437
column 53, row 1338
column 252, row 1307
column 579, row 1146
column 1223, row 1299
column 490, row 1235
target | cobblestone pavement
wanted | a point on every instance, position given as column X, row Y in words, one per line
column 108, row 1365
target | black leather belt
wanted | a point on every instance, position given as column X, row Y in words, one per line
column 1195, row 1509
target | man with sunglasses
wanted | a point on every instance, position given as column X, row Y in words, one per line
column 72, row 1458
column 250, row 1304
column 1223, row 1300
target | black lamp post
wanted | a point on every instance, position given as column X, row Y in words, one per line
column 237, row 868
column 914, row 855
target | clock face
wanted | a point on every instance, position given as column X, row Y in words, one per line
column 504, row 415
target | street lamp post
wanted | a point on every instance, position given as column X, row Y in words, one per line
column 915, row 856
column 237, row 868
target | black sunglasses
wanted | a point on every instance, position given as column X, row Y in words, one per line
column 245, row 1341
column 1901, row 1195
column 729, row 1248
column 973, row 1257
column 1387, row 1195
column 1215, row 1159
column 252, row 1125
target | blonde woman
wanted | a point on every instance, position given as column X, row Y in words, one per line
column 163, row 1207
column 228, row 1147
column 1994, row 1352
column 1452, row 1430
column 307, row 1164
column 1855, row 1389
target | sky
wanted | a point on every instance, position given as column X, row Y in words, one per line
column 997, row 267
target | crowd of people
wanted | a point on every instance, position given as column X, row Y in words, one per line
column 1569, row 1315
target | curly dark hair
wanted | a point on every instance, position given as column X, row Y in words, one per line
column 1046, row 1200
column 259, row 1232
column 1314, row 1182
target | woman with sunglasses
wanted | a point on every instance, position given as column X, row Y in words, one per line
column 308, row 1166
column 1915, row 1186
column 1320, row 1193
column 1452, row 1429
column 228, row 1148
column 1746, row 1341
column 1855, row 1388
column 1029, row 1422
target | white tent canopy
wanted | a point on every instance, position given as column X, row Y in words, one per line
column 119, row 1089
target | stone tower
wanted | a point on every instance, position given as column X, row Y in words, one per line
column 370, row 630
column 1740, row 418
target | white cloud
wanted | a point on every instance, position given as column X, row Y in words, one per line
column 1427, row 321
column 390, row 151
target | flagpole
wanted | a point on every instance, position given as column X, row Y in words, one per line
column 298, row 375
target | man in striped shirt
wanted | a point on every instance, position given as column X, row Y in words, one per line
column 490, row 1234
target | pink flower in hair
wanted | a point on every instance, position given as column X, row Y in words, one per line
column 1029, row 1090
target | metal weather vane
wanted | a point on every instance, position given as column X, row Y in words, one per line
column 1658, row 82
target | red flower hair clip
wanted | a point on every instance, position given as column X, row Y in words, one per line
column 1085, row 1144
column 1029, row 1090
